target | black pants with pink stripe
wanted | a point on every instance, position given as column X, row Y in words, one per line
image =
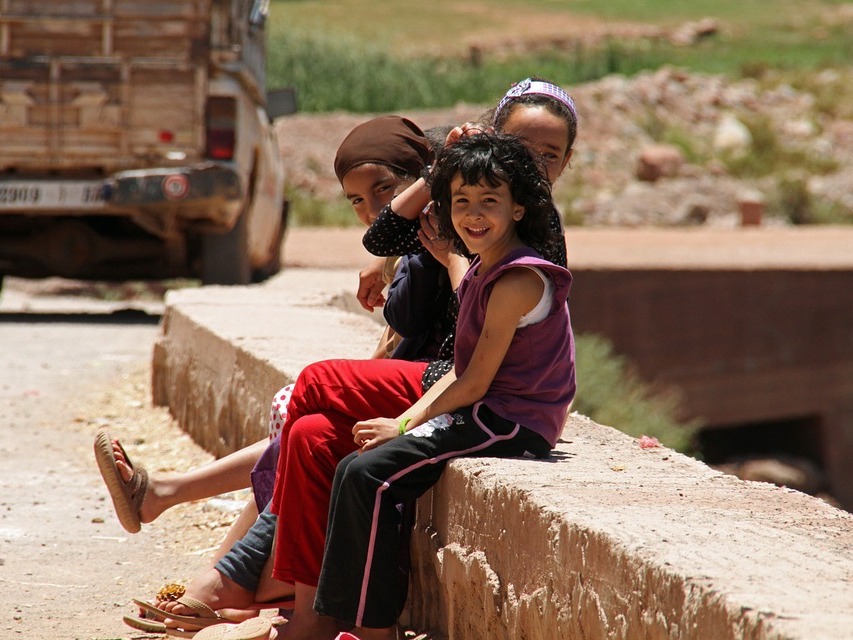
column 359, row 580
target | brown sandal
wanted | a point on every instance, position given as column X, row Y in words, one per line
column 204, row 615
column 127, row 496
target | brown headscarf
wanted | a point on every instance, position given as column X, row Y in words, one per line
column 388, row 140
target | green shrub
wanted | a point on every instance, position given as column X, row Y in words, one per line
column 793, row 202
column 310, row 211
column 610, row 393
column 767, row 155
column 661, row 131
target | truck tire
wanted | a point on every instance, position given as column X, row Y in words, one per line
column 273, row 265
column 225, row 257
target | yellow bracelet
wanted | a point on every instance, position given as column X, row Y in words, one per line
column 403, row 424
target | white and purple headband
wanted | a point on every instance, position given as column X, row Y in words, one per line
column 538, row 87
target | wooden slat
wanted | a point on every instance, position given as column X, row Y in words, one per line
column 93, row 82
column 155, row 9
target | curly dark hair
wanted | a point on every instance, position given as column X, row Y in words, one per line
column 494, row 159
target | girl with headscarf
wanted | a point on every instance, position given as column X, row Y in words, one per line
column 375, row 161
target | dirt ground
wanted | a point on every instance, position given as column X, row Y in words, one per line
column 67, row 568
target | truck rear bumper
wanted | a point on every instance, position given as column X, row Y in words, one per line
column 208, row 192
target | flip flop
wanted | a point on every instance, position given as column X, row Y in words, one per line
column 205, row 616
column 154, row 626
column 251, row 629
column 127, row 496
column 144, row 624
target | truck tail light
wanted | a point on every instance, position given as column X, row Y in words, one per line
column 221, row 127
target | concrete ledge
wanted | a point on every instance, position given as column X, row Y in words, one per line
column 603, row 540
column 608, row 540
column 224, row 351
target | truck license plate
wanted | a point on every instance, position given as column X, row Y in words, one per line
column 70, row 194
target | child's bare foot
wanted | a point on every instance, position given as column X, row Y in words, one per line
column 364, row 633
column 217, row 592
column 159, row 490
column 128, row 485
column 213, row 592
column 305, row 624
column 306, row 628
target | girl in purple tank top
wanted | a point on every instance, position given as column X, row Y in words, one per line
column 508, row 396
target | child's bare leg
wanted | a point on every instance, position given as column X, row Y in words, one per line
column 239, row 529
column 272, row 590
column 306, row 624
column 220, row 476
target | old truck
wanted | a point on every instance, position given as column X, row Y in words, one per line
column 135, row 142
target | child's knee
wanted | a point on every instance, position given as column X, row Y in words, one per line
column 359, row 470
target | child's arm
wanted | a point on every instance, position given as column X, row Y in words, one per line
column 411, row 305
column 513, row 295
column 412, row 200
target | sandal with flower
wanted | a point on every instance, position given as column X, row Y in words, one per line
column 204, row 615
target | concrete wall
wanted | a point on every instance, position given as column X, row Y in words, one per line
column 602, row 540
column 741, row 346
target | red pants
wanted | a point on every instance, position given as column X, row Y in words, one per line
column 327, row 401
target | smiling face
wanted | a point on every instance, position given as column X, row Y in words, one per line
column 544, row 133
column 484, row 217
column 369, row 187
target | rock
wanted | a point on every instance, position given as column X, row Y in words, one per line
column 691, row 32
column 694, row 213
column 751, row 207
column 659, row 161
column 732, row 135
column 795, row 473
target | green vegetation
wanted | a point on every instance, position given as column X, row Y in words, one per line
column 610, row 393
column 792, row 201
column 376, row 81
column 308, row 211
column 767, row 155
column 389, row 55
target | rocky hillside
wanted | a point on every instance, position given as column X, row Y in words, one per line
column 665, row 148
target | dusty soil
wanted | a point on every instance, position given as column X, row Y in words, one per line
column 67, row 568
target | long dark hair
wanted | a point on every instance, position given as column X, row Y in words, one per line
column 494, row 159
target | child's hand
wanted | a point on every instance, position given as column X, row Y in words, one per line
column 464, row 131
column 369, row 434
column 370, row 285
column 429, row 236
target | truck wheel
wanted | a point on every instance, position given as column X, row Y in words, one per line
column 273, row 265
column 225, row 257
